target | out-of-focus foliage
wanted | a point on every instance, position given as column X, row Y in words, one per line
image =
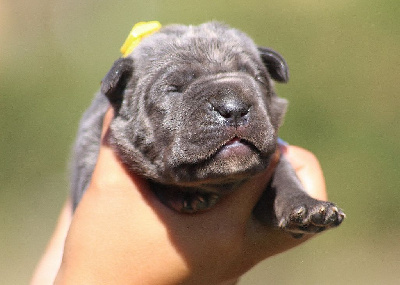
column 344, row 59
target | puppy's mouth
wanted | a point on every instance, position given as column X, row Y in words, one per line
column 236, row 147
column 228, row 172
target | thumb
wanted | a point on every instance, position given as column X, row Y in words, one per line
column 110, row 172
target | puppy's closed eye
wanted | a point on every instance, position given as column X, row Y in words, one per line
column 179, row 81
column 261, row 78
column 175, row 88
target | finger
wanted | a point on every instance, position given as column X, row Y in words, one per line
column 107, row 121
column 308, row 170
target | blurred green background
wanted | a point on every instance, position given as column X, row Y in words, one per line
column 344, row 106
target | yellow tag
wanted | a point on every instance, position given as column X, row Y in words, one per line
column 138, row 32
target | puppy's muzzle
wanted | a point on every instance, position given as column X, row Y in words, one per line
column 232, row 110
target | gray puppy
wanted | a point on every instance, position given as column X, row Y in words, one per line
column 196, row 114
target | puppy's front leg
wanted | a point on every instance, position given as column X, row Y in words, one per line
column 286, row 204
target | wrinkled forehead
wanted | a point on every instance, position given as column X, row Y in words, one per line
column 207, row 47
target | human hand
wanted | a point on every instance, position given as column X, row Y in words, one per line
column 122, row 234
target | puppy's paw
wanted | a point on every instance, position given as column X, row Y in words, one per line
column 313, row 217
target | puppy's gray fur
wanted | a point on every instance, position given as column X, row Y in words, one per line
column 195, row 111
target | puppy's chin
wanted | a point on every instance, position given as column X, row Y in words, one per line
column 232, row 163
column 198, row 187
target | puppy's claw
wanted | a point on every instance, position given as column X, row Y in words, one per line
column 298, row 215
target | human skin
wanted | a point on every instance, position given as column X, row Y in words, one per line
column 121, row 233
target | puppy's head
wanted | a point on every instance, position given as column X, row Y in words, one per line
column 196, row 105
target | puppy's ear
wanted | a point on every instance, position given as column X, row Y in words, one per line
column 275, row 63
column 115, row 81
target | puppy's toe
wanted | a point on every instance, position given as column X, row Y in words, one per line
column 312, row 218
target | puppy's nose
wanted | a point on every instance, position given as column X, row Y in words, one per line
column 233, row 111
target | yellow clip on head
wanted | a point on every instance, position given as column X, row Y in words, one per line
column 138, row 32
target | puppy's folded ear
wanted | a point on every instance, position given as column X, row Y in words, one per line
column 115, row 81
column 275, row 63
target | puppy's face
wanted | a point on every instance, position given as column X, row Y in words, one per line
column 195, row 105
